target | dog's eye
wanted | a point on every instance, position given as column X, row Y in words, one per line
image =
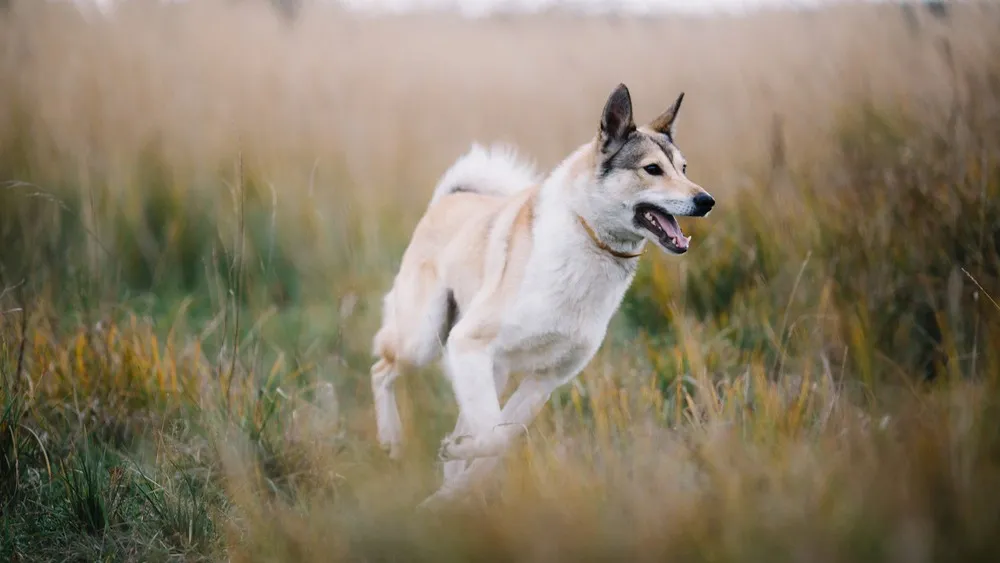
column 684, row 168
column 653, row 169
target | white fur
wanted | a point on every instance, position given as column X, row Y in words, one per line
column 550, row 331
column 497, row 170
column 536, row 300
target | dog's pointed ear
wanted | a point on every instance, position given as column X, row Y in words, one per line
column 616, row 121
column 665, row 122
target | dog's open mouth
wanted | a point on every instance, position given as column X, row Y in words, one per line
column 663, row 225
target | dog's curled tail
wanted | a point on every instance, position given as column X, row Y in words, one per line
column 497, row 170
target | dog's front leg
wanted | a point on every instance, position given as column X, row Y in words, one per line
column 455, row 467
column 470, row 367
column 522, row 407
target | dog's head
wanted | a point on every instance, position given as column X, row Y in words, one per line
column 641, row 181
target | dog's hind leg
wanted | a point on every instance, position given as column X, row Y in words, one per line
column 390, row 429
column 414, row 326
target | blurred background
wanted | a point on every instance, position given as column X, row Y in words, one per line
column 202, row 203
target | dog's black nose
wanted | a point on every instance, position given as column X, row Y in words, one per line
column 704, row 202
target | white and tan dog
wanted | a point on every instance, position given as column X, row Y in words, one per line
column 509, row 272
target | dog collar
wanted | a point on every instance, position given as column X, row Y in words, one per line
column 602, row 245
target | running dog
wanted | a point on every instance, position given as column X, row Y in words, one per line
column 509, row 271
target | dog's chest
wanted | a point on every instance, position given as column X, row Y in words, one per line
column 561, row 317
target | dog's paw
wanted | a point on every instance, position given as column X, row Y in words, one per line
column 459, row 447
column 469, row 447
column 446, row 451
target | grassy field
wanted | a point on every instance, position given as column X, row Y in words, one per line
column 201, row 206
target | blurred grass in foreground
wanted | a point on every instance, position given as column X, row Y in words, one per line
column 188, row 296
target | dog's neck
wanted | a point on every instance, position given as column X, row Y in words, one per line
column 605, row 246
column 564, row 192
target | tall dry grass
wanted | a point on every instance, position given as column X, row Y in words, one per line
column 203, row 203
column 396, row 99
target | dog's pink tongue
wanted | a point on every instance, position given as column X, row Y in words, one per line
column 673, row 230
